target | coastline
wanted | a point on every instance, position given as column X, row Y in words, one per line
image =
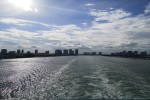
column 142, row 58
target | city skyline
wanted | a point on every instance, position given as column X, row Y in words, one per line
column 89, row 25
column 6, row 54
column 36, row 51
column 72, row 52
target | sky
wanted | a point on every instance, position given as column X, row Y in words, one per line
column 89, row 25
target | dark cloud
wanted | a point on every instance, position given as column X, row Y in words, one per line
column 139, row 35
column 33, row 47
column 20, row 47
column 132, row 44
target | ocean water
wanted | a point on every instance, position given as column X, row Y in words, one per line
column 76, row 77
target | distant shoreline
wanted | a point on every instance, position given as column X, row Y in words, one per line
column 37, row 57
column 148, row 58
column 142, row 58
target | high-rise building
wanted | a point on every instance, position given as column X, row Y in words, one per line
column 28, row 52
column 100, row 53
column 93, row 53
column 144, row 54
column 18, row 52
column 135, row 53
column 3, row 51
column 130, row 53
column 47, row 52
column 36, row 52
column 22, row 52
column 86, row 53
column 58, row 52
column 71, row 52
column 65, row 52
column 124, row 53
column 76, row 51
column 12, row 52
column 112, row 54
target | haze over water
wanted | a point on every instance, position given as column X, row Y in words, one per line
column 77, row 77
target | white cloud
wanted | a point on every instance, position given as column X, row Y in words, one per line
column 89, row 4
column 114, row 29
column 112, row 15
column 20, row 22
column 121, row 27
column 147, row 10
column 36, row 10
column 84, row 24
column 23, row 4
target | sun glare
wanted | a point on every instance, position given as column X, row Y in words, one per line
column 24, row 4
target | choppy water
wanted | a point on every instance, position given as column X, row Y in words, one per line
column 78, row 77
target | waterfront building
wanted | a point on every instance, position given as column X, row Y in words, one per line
column 58, row 52
column 47, row 52
column 76, row 51
column 135, row 53
column 130, row 53
column 12, row 52
column 28, row 52
column 65, row 52
column 112, row 54
column 3, row 51
column 86, row 53
column 71, row 52
column 124, row 53
column 36, row 52
column 22, row 52
column 18, row 52
column 100, row 53
column 93, row 53
column 143, row 54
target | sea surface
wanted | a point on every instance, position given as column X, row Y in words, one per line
column 74, row 77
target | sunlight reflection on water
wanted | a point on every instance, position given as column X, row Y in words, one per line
column 80, row 77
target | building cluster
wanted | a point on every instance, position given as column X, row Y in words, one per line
column 66, row 52
column 21, row 54
column 92, row 53
column 130, row 54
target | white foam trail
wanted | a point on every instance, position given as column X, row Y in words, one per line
column 107, row 90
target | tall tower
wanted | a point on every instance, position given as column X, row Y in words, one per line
column 36, row 52
column 22, row 52
column 3, row 51
column 18, row 52
column 70, row 51
column 65, row 52
column 76, row 51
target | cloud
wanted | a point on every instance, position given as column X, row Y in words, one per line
column 20, row 22
column 89, row 4
column 131, row 44
column 110, row 16
column 23, row 4
column 114, row 29
column 34, row 47
column 122, row 27
column 147, row 10
column 84, row 24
